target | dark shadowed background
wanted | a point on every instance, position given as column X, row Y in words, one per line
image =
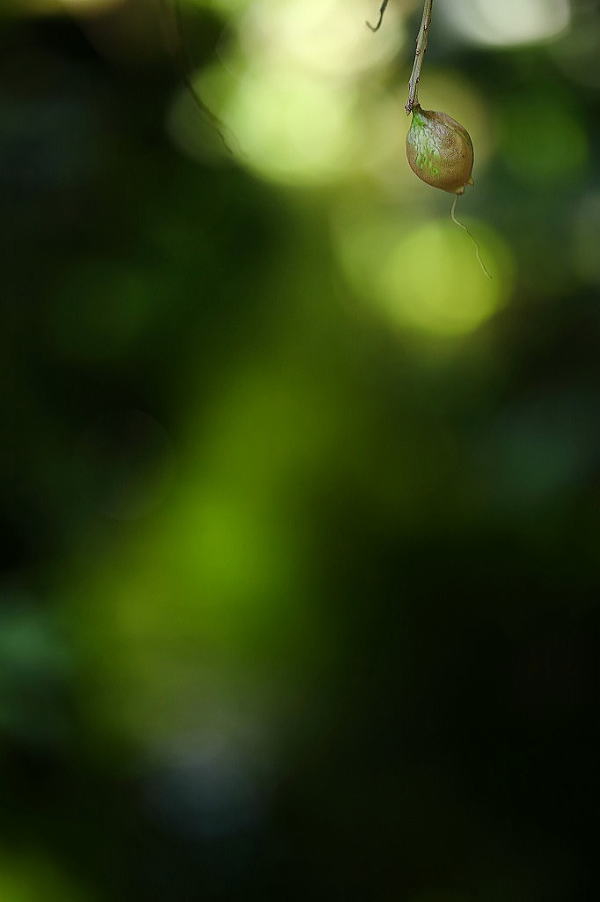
column 300, row 513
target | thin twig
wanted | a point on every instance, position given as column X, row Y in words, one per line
column 382, row 10
column 422, row 41
column 178, row 47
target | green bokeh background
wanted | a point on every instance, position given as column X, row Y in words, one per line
column 300, row 514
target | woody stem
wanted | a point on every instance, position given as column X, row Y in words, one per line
column 422, row 41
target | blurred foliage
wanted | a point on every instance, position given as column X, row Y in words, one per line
column 300, row 514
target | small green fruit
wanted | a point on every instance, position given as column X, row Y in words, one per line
column 440, row 150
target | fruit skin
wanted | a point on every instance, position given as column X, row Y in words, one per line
column 439, row 150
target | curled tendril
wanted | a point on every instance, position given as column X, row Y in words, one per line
column 382, row 10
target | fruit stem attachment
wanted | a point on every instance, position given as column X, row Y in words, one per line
column 382, row 10
column 422, row 41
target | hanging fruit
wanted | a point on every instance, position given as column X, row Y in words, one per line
column 439, row 150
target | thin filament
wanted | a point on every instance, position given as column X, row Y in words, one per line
column 462, row 226
column 181, row 53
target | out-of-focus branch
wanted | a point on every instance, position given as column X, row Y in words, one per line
column 382, row 10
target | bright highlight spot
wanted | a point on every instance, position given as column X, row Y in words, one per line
column 427, row 277
column 288, row 126
column 508, row 23
column 433, row 281
column 291, row 90
column 328, row 36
